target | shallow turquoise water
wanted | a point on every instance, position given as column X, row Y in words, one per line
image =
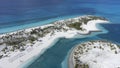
column 56, row 56
column 15, row 15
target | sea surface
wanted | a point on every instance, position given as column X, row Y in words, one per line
column 21, row 14
column 15, row 15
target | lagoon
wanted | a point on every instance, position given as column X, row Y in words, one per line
column 57, row 55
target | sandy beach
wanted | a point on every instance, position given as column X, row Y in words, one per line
column 95, row 54
column 70, row 59
column 16, row 59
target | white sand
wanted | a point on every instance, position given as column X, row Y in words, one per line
column 18, row 58
column 104, row 57
column 91, row 26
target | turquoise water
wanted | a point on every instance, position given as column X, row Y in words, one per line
column 53, row 57
column 33, row 24
column 57, row 56
column 15, row 15
column 21, row 14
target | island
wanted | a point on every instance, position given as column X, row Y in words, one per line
column 96, row 54
column 20, row 46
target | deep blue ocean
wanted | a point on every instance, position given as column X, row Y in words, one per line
column 15, row 15
column 20, row 14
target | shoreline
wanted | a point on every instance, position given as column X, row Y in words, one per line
column 40, row 46
column 70, row 55
column 86, row 49
column 30, row 60
column 70, row 59
column 34, row 25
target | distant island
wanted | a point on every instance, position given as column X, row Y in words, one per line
column 19, row 46
column 96, row 54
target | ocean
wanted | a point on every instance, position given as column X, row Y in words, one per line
column 15, row 15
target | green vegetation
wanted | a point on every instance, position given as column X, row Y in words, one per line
column 76, row 66
column 97, row 17
column 49, row 27
column 31, row 38
column 75, row 25
column 12, row 42
column 85, row 47
column 1, row 56
column 33, row 32
column 19, row 39
column 81, row 66
column 85, row 20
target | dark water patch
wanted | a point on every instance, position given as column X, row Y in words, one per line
column 14, row 11
column 113, row 34
column 72, row 11
column 95, row 1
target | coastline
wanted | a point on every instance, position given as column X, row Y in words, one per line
column 34, row 25
column 70, row 55
column 83, row 54
column 39, row 47
column 31, row 59
column 70, row 59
